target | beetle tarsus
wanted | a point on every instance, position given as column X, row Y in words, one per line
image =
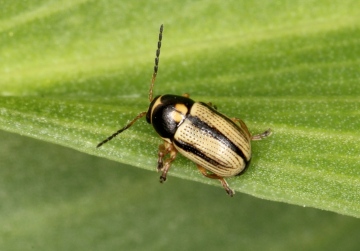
column 164, row 166
column 162, row 179
column 223, row 182
column 162, row 152
column 263, row 135
column 230, row 192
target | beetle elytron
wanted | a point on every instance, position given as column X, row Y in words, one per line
column 220, row 146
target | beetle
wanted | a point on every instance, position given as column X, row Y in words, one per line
column 220, row 146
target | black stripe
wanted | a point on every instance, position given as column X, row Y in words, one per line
column 189, row 148
column 239, row 129
column 215, row 133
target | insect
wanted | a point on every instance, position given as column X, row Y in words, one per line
column 220, row 146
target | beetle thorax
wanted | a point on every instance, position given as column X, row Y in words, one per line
column 167, row 112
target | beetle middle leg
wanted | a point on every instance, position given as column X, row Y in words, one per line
column 164, row 166
column 228, row 190
column 212, row 105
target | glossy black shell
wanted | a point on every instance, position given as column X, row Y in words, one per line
column 161, row 114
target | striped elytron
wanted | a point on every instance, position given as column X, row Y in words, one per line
column 220, row 146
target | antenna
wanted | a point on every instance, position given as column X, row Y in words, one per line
column 142, row 114
column 156, row 66
column 122, row 129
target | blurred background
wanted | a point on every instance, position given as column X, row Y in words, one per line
column 56, row 198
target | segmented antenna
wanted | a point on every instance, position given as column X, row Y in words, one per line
column 142, row 114
column 156, row 66
column 122, row 129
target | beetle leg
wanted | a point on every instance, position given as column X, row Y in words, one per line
column 259, row 136
column 211, row 105
column 262, row 135
column 186, row 95
column 164, row 166
column 243, row 126
column 162, row 152
column 228, row 190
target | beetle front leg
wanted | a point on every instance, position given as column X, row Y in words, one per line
column 164, row 166
column 162, row 152
column 223, row 182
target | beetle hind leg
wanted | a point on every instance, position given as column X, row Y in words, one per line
column 164, row 166
column 242, row 126
column 223, row 182
column 261, row 136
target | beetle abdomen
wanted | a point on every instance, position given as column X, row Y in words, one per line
column 213, row 141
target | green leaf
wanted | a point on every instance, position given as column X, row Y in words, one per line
column 73, row 72
column 54, row 198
